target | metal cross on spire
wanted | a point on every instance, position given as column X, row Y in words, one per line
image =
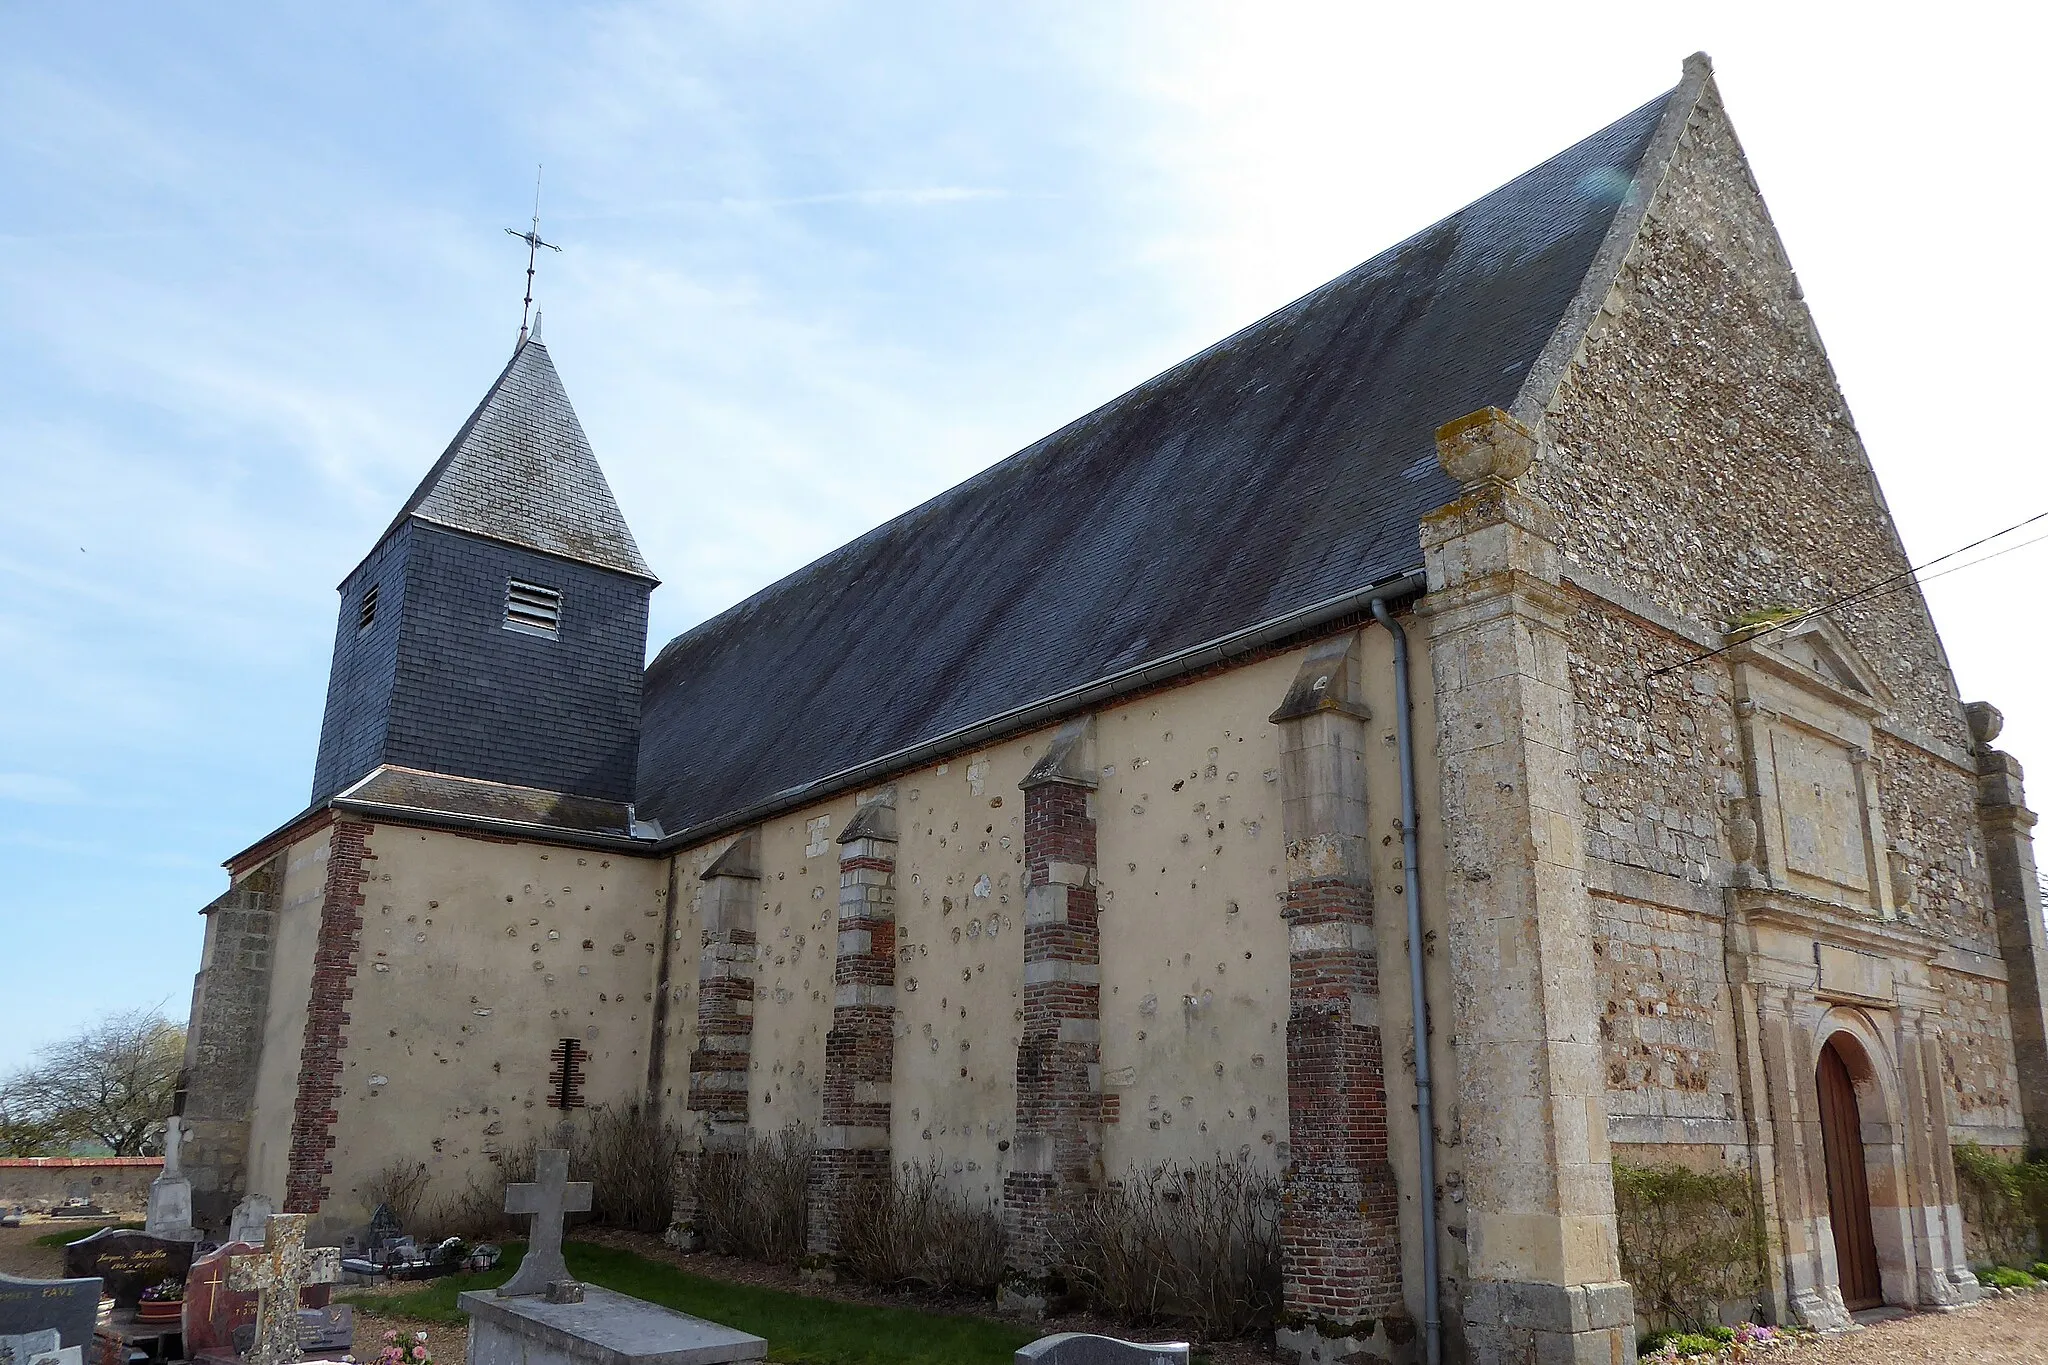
column 533, row 245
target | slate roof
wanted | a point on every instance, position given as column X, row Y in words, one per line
column 521, row 471
column 1282, row 467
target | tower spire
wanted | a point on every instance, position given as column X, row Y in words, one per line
column 533, row 245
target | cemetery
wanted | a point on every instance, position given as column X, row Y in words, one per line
column 165, row 1293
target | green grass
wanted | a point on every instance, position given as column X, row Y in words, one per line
column 797, row 1328
column 2005, row 1277
column 70, row 1235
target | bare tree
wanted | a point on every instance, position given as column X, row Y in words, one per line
column 112, row 1082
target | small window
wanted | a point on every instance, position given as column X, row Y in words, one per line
column 532, row 610
column 565, row 1082
column 366, row 614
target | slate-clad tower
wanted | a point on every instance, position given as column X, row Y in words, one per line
column 498, row 630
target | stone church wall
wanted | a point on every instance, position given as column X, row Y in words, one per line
column 478, row 956
column 1702, row 451
column 1703, row 458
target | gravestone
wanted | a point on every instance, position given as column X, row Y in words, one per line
column 276, row 1274
column 546, row 1318
column 551, row 1195
column 71, row 1307
column 212, row 1310
column 37, row 1348
column 170, row 1194
column 246, row 1223
column 1085, row 1348
column 220, row 1323
column 128, row 1261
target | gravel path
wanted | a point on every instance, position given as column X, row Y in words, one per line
column 1998, row 1332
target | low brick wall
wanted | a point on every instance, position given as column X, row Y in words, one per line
column 118, row 1184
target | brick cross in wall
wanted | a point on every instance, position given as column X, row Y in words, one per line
column 277, row 1273
column 551, row 1195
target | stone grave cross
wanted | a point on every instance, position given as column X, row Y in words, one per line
column 551, row 1195
column 174, row 1137
column 276, row 1274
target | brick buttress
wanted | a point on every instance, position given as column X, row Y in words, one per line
column 1340, row 1238
column 853, row 1147
column 334, row 972
column 1060, row 1104
column 719, row 1062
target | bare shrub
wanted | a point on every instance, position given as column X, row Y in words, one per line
column 476, row 1212
column 752, row 1200
column 914, row 1230
column 1691, row 1241
column 629, row 1155
column 1197, row 1245
column 400, row 1187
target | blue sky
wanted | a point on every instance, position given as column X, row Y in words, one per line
column 821, row 261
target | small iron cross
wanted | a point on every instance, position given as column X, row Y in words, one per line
column 277, row 1273
column 548, row 1198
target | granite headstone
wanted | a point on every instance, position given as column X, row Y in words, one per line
column 128, row 1261
column 69, row 1306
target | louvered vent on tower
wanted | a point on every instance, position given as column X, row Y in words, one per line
column 532, row 610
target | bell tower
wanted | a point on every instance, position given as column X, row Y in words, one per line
column 498, row 630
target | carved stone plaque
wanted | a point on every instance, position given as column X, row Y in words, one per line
column 1820, row 809
column 1844, row 972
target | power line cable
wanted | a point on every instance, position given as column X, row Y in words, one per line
column 1893, row 582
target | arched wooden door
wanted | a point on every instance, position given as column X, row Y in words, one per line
column 1841, row 1131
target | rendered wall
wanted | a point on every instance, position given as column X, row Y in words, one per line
column 1191, row 866
column 478, row 956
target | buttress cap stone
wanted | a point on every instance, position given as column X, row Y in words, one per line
column 1485, row 445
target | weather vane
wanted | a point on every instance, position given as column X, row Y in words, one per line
column 533, row 245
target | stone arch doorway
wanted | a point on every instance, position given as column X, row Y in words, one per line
column 1841, row 1123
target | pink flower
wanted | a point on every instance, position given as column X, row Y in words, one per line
column 391, row 1335
column 419, row 1353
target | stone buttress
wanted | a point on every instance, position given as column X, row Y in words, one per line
column 1542, row 1270
column 2016, row 899
column 853, row 1146
column 1060, row 1103
column 1339, row 1219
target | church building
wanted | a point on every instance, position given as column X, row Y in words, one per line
column 1429, row 744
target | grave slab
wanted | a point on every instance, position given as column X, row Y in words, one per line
column 603, row 1329
column 1086, row 1348
column 71, row 1307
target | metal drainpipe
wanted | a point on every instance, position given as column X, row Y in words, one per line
column 1411, row 885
